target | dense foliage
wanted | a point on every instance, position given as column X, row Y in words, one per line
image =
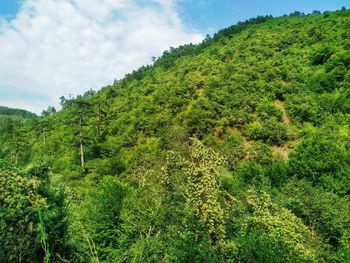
column 5, row 111
column 233, row 150
column 33, row 216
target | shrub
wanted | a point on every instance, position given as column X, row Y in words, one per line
column 321, row 55
column 323, row 162
column 270, row 131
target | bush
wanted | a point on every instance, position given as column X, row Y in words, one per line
column 232, row 150
column 253, row 174
column 323, row 211
column 256, row 246
column 286, row 233
column 323, row 82
column 323, row 162
column 303, row 108
column 99, row 218
column 200, row 119
column 321, row 55
column 33, row 217
column 270, row 131
column 267, row 109
column 278, row 173
column 260, row 153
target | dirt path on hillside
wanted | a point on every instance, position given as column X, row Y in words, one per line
column 280, row 105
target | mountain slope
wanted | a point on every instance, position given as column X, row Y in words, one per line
column 236, row 149
column 233, row 83
column 5, row 111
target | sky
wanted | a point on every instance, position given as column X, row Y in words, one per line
column 50, row 48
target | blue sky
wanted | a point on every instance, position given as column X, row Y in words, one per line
column 51, row 48
column 208, row 16
column 212, row 15
column 9, row 8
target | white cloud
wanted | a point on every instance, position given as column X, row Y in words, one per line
column 58, row 47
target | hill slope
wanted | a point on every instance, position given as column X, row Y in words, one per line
column 5, row 111
column 236, row 149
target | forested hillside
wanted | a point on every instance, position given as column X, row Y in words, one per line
column 233, row 150
column 5, row 111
